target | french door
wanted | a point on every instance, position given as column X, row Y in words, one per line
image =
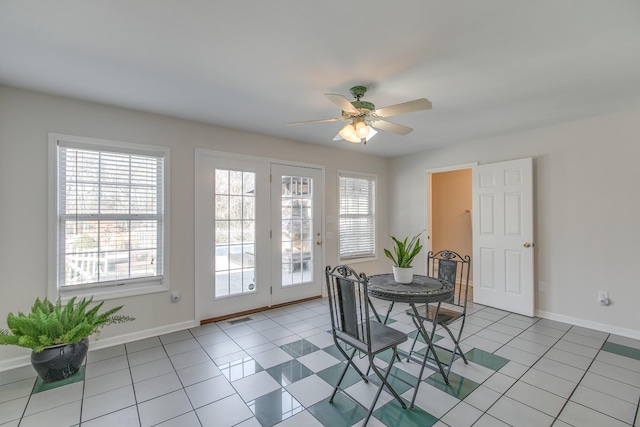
column 255, row 228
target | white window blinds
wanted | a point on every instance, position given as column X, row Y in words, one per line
column 110, row 215
column 357, row 216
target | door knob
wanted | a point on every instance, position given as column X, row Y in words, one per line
column 527, row 244
column 318, row 242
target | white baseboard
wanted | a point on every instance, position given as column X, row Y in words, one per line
column 624, row 332
column 16, row 362
column 98, row 343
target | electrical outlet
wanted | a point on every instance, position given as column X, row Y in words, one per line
column 542, row 287
column 603, row 297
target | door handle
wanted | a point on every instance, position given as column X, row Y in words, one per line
column 527, row 244
column 318, row 242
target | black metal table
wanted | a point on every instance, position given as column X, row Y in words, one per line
column 422, row 290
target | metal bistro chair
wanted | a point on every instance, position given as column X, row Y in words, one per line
column 350, row 324
column 454, row 268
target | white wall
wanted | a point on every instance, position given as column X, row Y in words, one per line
column 587, row 212
column 25, row 120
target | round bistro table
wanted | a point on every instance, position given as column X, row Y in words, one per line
column 422, row 290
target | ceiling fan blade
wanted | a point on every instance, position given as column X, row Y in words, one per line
column 391, row 127
column 405, row 107
column 342, row 102
column 318, row 121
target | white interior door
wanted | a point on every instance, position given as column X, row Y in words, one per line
column 296, row 203
column 232, row 235
column 503, row 236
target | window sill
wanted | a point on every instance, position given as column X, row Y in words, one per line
column 358, row 260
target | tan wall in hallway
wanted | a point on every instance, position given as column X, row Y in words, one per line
column 451, row 211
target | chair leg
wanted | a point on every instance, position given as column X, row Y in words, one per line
column 430, row 347
column 344, row 371
column 384, row 382
column 456, row 344
column 457, row 341
column 415, row 339
column 420, row 325
column 388, row 312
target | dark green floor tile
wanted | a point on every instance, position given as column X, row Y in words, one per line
column 392, row 414
column 343, row 412
column 289, row 372
column 444, row 355
column 274, row 407
column 40, row 385
column 459, row 387
column 622, row 350
column 333, row 350
column 299, row 348
column 486, row 359
column 413, row 334
column 386, row 355
column 399, row 380
column 240, row 368
column 332, row 374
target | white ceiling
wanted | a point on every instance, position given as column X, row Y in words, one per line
column 490, row 67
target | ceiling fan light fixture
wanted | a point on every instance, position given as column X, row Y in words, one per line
column 348, row 132
column 362, row 130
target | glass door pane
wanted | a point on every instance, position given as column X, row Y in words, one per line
column 297, row 230
column 235, row 229
column 296, row 200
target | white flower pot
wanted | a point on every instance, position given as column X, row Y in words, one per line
column 403, row 275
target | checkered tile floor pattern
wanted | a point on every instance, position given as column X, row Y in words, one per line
column 279, row 369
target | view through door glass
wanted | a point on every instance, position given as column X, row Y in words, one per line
column 235, row 231
column 297, row 194
column 297, row 230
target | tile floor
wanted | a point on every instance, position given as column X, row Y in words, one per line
column 279, row 368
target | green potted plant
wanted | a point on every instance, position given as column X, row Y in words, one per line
column 58, row 334
column 404, row 251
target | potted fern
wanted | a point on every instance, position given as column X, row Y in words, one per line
column 58, row 334
column 404, row 251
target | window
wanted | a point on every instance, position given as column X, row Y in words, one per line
column 110, row 217
column 357, row 216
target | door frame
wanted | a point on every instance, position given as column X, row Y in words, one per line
column 201, row 152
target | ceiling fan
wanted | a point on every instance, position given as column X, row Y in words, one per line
column 363, row 116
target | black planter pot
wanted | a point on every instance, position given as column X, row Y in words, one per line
column 60, row 361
